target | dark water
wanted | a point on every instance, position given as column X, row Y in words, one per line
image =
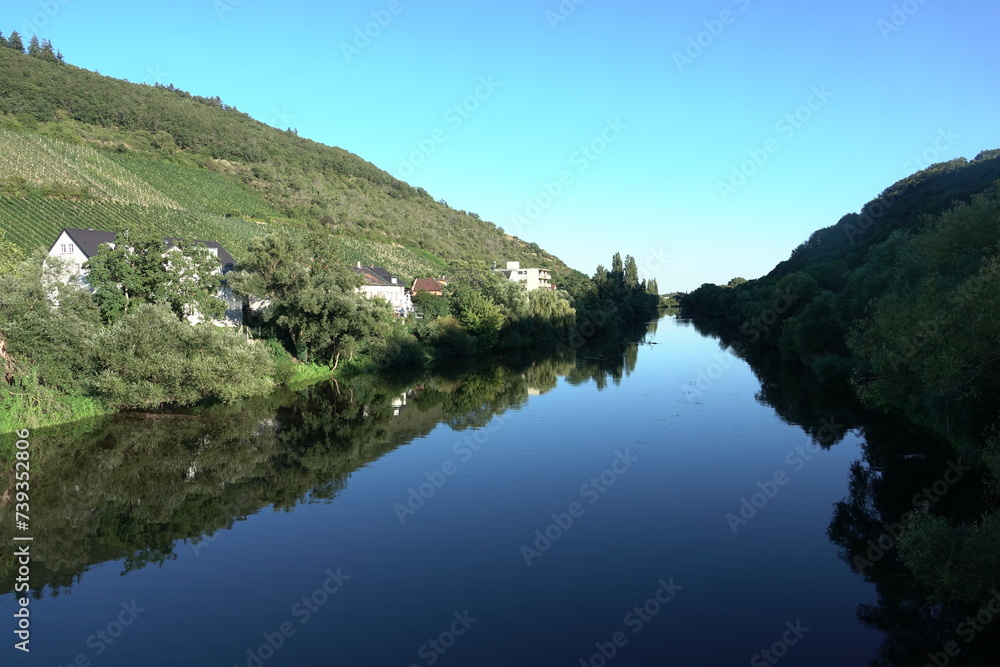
column 651, row 504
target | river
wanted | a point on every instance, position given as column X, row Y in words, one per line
column 651, row 503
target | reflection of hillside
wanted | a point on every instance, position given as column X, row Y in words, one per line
column 900, row 461
column 130, row 487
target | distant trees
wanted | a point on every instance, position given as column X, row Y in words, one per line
column 37, row 48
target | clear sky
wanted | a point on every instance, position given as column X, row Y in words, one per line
column 706, row 139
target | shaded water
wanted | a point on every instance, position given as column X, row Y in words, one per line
column 649, row 504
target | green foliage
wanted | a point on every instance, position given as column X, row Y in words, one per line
column 10, row 255
column 47, row 346
column 150, row 358
column 957, row 562
column 312, row 296
column 430, row 305
column 140, row 269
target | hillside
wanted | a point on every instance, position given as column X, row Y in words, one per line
column 899, row 300
column 85, row 150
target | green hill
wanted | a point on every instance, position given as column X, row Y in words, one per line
column 85, row 150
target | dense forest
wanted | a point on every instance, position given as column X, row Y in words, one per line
column 899, row 304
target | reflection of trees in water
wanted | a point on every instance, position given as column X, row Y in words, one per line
column 604, row 361
column 900, row 460
column 133, row 487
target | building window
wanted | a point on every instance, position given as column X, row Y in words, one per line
column 70, row 246
column 62, row 248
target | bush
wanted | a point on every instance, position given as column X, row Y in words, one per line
column 150, row 358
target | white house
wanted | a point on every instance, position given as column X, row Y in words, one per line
column 380, row 283
column 79, row 245
column 532, row 279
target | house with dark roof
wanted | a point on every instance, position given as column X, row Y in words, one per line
column 380, row 283
column 78, row 245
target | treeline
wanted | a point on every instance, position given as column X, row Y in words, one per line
column 898, row 303
column 142, row 340
column 41, row 49
column 314, row 312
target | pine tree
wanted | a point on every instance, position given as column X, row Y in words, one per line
column 3, row 41
column 15, row 42
column 34, row 47
column 47, row 52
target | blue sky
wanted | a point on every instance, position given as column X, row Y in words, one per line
column 706, row 139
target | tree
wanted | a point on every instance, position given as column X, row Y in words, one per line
column 34, row 46
column 617, row 270
column 736, row 282
column 150, row 357
column 15, row 42
column 313, row 296
column 3, row 41
column 631, row 272
column 140, row 269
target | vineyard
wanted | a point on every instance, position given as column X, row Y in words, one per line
column 35, row 223
column 198, row 190
column 41, row 160
column 405, row 262
column 126, row 190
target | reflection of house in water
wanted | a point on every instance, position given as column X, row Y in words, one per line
column 534, row 392
column 399, row 403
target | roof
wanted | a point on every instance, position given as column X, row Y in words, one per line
column 426, row 285
column 89, row 241
column 377, row 276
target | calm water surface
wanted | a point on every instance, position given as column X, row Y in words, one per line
column 564, row 513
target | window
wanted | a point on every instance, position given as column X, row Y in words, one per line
column 70, row 247
column 62, row 248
